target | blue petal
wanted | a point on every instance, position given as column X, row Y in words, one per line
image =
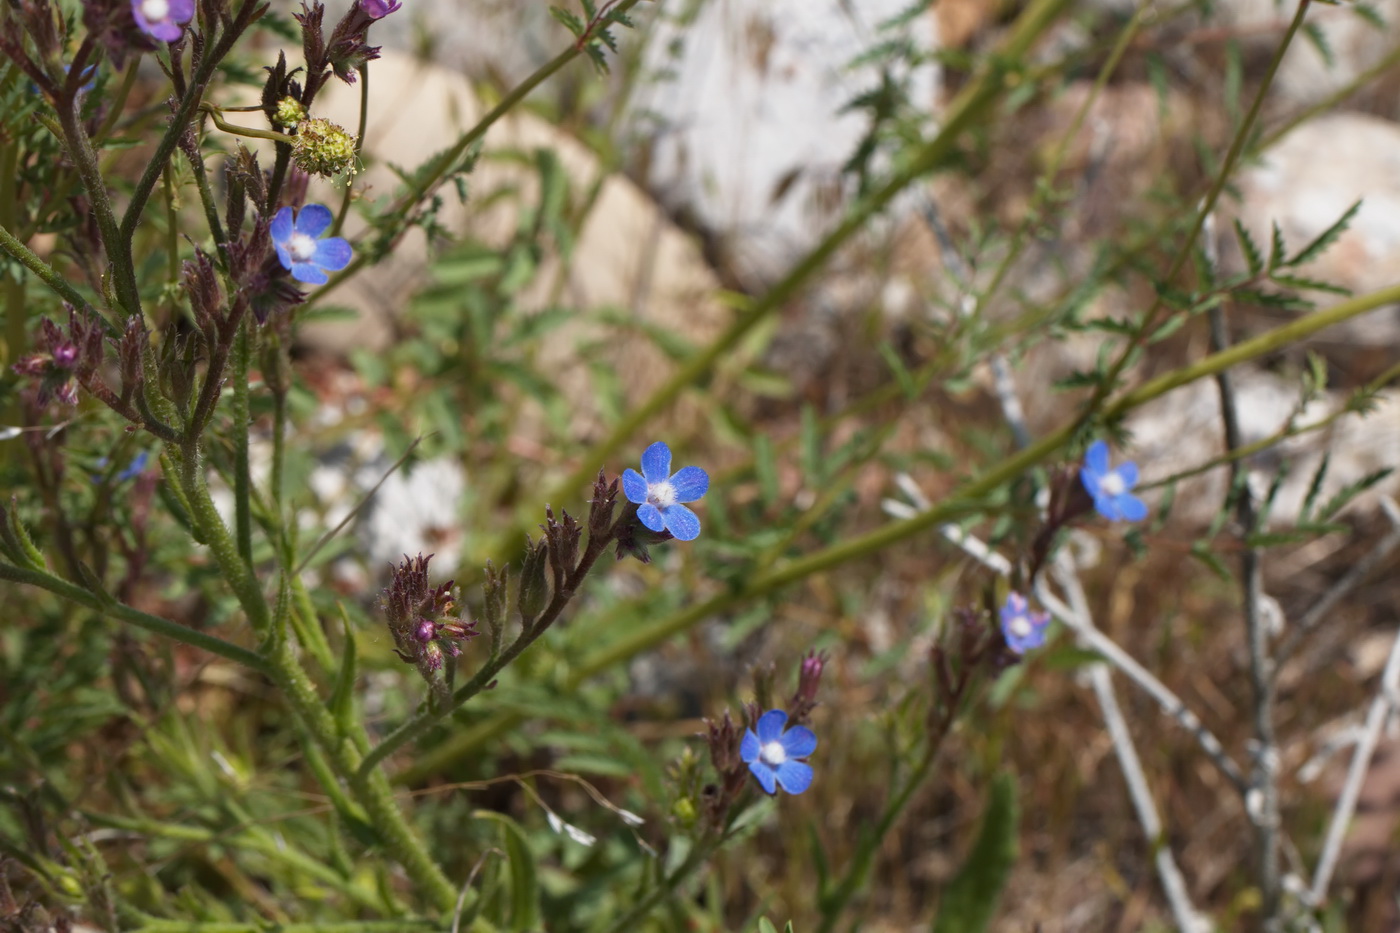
column 765, row 776
column 1096, row 458
column 283, row 256
column 308, row 273
column 799, row 742
column 332, row 253
column 1128, row 472
column 656, row 463
column 314, row 219
column 682, row 523
column 281, row 229
column 690, row 483
column 749, row 748
column 633, row 486
column 651, row 517
column 1132, row 508
column 794, row 776
column 1104, row 505
column 770, row 726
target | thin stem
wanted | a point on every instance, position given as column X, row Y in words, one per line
column 359, row 147
column 1173, row 884
column 444, row 163
column 1386, row 701
column 136, row 617
column 48, row 276
column 964, row 500
column 184, row 112
column 487, row 673
column 237, row 130
column 1203, row 213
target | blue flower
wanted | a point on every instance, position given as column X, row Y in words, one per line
column 306, row 257
column 163, row 19
column 1110, row 487
column 1023, row 629
column 771, row 754
column 134, row 468
column 659, row 494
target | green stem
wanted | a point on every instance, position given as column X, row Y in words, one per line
column 834, row 905
column 184, row 112
column 1185, row 250
column 974, row 101
column 237, row 130
column 666, row 887
column 444, row 163
column 352, row 926
column 359, row 147
column 253, row 838
column 964, row 499
column 136, row 617
column 48, row 276
column 84, row 159
column 487, row 673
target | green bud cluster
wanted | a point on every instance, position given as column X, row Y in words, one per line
column 289, row 113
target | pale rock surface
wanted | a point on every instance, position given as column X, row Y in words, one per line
column 744, row 123
column 1183, row 430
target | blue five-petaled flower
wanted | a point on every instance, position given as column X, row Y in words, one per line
column 772, row 754
column 1110, row 487
column 658, row 494
column 301, row 253
column 1023, row 629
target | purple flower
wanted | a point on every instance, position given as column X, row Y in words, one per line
column 658, row 494
column 772, row 754
column 378, row 9
column 1023, row 629
column 163, row 19
column 1109, row 487
column 305, row 256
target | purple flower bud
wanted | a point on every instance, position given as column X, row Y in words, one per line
column 378, row 9
column 426, row 630
column 65, row 354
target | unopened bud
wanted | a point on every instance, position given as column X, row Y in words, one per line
column 534, row 588
column 289, row 113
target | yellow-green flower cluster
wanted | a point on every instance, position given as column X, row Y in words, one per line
column 320, row 147
column 289, row 113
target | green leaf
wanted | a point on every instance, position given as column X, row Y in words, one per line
column 971, row 899
column 1202, row 552
column 1326, row 238
column 766, row 926
column 569, row 20
column 1351, row 491
column 343, row 698
column 524, row 880
column 1252, row 256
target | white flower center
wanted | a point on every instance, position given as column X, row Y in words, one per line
column 773, row 754
column 155, row 11
column 1019, row 626
column 1112, row 484
column 300, row 246
column 662, row 495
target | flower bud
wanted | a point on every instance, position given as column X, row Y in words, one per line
column 534, row 589
column 289, row 113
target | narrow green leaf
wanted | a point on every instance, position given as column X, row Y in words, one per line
column 524, row 879
column 971, row 899
column 1252, row 255
column 1326, row 238
column 343, row 697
